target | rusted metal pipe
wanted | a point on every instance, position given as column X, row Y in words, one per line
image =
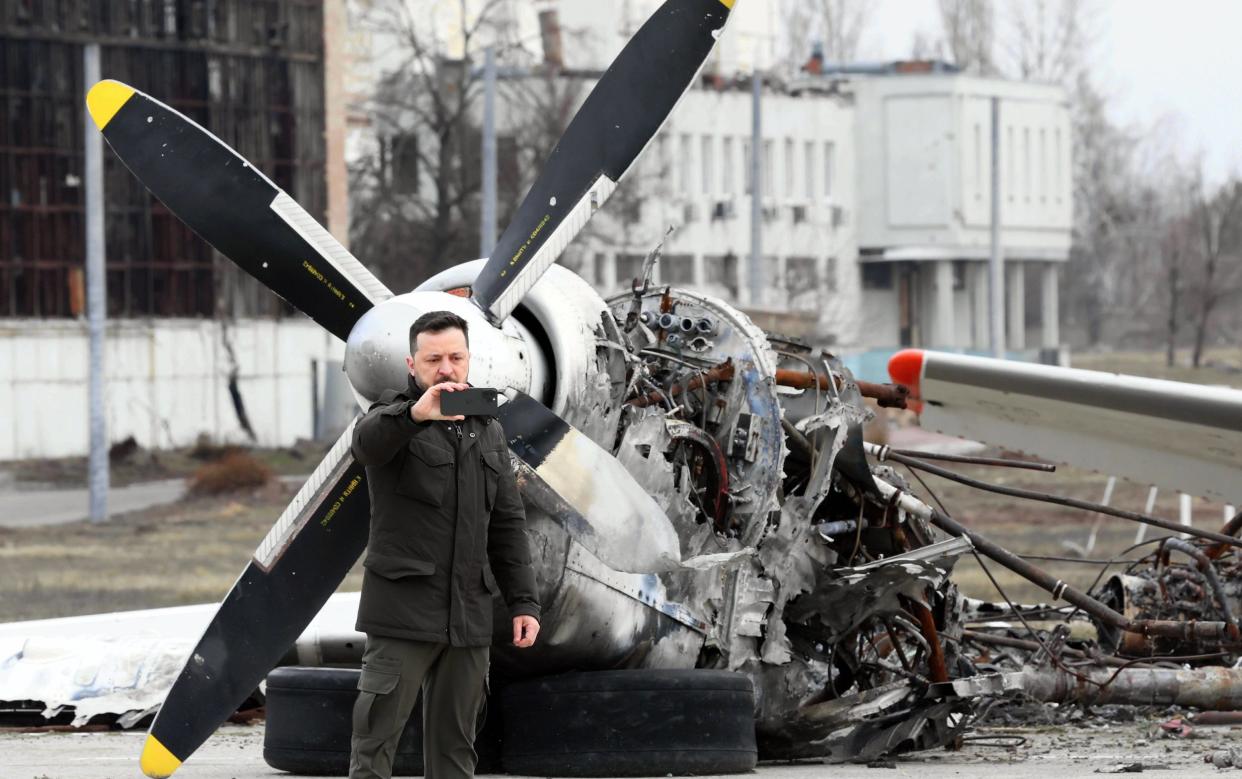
column 1231, row 528
column 885, row 451
column 927, row 623
column 721, row 372
column 1063, row 501
column 886, row 395
column 1035, row 646
column 1224, row 632
column 1211, row 689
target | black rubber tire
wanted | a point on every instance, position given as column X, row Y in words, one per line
column 309, row 722
column 630, row 723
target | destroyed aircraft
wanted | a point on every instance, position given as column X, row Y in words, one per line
column 698, row 492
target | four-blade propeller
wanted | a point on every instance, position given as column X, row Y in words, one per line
column 246, row 217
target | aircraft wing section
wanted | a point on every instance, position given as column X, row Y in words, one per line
column 1175, row 435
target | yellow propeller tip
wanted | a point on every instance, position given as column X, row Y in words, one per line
column 156, row 761
column 105, row 99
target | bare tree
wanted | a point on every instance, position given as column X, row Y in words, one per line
column 1047, row 40
column 415, row 207
column 1219, row 222
column 837, row 26
column 968, row 33
column 1103, row 187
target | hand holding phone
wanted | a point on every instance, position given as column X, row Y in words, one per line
column 429, row 404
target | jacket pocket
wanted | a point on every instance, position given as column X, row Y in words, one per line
column 489, row 580
column 394, row 568
column 425, row 472
column 491, row 475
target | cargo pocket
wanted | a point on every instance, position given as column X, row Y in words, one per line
column 425, row 472
column 379, row 678
column 491, row 476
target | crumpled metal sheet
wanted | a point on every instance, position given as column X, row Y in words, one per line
column 889, row 720
column 123, row 663
column 864, row 591
column 124, row 676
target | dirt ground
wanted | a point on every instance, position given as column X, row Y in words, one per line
column 1077, row 750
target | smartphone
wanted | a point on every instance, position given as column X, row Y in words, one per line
column 472, row 401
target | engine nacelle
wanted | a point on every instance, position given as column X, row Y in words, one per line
column 571, row 328
column 506, row 358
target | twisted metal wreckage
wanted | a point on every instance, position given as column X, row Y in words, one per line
column 698, row 491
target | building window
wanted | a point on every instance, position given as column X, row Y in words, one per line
column 678, row 269
column 800, row 273
column 978, row 161
column 789, row 168
column 660, row 167
column 802, row 283
column 726, row 166
column 808, row 168
column 747, row 170
column 1056, row 166
column 1026, row 164
column 1010, row 156
column 830, row 274
column 830, row 161
column 722, row 272
column 1043, row 166
column 707, row 161
column 629, row 267
column 877, row 275
column 768, row 171
column 603, row 278
column 684, row 165
column 404, row 169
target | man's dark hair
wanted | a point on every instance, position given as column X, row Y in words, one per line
column 435, row 322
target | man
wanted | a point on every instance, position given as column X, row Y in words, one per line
column 444, row 503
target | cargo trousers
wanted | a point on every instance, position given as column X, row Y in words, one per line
column 453, row 682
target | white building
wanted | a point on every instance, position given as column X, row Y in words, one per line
column 696, row 178
column 924, row 145
column 875, row 206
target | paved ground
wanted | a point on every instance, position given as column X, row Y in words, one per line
column 1048, row 753
column 36, row 508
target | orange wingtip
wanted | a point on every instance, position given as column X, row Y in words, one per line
column 906, row 367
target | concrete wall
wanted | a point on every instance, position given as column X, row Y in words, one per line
column 924, row 158
column 167, row 382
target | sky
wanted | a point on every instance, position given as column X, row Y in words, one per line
column 1172, row 66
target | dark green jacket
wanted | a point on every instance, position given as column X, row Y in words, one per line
column 441, row 509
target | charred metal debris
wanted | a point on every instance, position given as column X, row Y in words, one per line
column 844, row 612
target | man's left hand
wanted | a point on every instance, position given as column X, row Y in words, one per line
column 524, row 631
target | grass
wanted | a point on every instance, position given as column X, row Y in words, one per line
column 189, row 552
column 192, row 551
column 1221, row 365
column 1031, row 528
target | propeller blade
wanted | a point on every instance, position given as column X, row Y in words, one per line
column 234, row 207
column 620, row 117
column 295, row 569
column 604, row 508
